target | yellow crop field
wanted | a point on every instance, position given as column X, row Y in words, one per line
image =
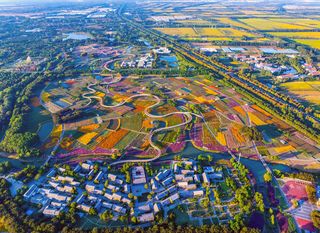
column 312, row 43
column 233, row 23
column 195, row 22
column 207, row 32
column 212, row 38
column 86, row 138
column 284, row 149
column 306, row 35
column 266, row 24
column 221, row 138
column 309, row 91
column 302, row 86
column 303, row 22
column 177, row 31
column 223, row 32
column 255, row 120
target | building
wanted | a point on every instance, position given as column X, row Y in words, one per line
column 48, row 211
column 138, row 175
column 146, row 217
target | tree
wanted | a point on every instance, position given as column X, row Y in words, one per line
column 237, row 223
column 217, row 197
column 295, row 203
column 134, row 219
column 311, row 191
column 259, row 201
column 267, row 177
column 315, row 217
column 92, row 211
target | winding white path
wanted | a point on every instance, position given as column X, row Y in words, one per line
column 187, row 115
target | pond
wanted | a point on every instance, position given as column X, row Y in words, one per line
column 45, row 130
column 170, row 60
column 77, row 36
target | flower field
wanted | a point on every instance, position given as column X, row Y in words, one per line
column 284, row 149
column 255, row 120
column 88, row 128
column 86, row 138
column 221, row 138
column 112, row 139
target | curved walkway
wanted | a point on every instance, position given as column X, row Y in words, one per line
column 187, row 115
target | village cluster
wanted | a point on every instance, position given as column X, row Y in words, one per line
column 259, row 59
column 95, row 190
column 146, row 60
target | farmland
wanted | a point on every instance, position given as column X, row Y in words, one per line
column 311, row 43
column 205, row 32
column 270, row 24
column 308, row 91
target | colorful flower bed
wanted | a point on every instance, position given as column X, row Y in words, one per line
column 86, row 138
column 295, row 190
column 88, row 128
column 112, row 139
column 82, row 151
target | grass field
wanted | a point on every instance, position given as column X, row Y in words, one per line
column 309, row 91
column 312, row 43
column 267, row 24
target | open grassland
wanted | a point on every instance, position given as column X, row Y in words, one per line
column 309, row 91
column 267, row 24
column 208, row 32
column 312, row 43
column 305, row 35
